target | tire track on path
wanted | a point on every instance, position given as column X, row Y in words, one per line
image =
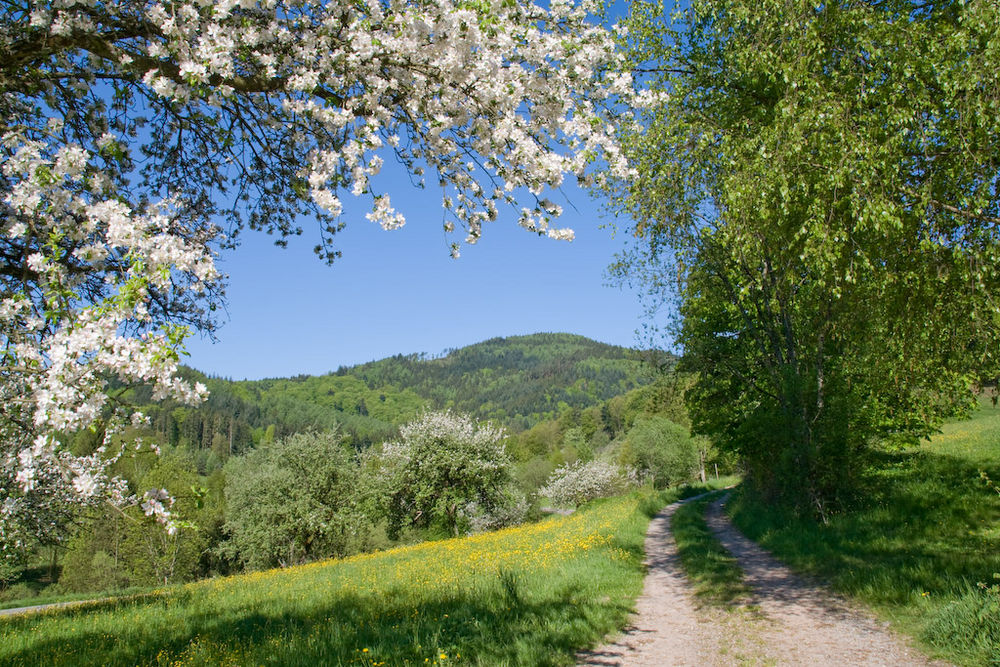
column 803, row 623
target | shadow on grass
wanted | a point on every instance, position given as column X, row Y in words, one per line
column 924, row 532
column 926, row 526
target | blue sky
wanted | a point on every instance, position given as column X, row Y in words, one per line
column 400, row 291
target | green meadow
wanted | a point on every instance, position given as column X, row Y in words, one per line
column 534, row 594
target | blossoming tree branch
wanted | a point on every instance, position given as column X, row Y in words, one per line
column 139, row 138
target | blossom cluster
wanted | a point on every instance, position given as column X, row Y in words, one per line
column 78, row 317
column 492, row 98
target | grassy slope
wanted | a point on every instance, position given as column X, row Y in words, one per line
column 529, row 595
column 917, row 545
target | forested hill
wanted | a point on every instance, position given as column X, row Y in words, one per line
column 518, row 381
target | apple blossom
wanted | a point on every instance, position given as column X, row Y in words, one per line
column 575, row 483
column 140, row 137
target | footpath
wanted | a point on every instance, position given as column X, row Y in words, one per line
column 786, row 620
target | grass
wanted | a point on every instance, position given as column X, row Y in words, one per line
column 531, row 595
column 24, row 594
column 712, row 570
column 917, row 546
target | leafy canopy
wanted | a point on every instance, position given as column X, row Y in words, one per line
column 817, row 184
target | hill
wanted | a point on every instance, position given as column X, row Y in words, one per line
column 517, row 381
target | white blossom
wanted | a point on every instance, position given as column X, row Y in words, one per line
column 515, row 95
column 575, row 483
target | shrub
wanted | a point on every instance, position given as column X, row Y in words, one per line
column 294, row 501
column 971, row 623
column 21, row 591
column 511, row 511
column 662, row 450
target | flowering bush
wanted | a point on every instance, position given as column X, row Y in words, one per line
column 575, row 483
column 140, row 137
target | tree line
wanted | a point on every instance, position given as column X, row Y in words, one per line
column 313, row 495
column 518, row 382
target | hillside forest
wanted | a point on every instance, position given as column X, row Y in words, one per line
column 283, row 471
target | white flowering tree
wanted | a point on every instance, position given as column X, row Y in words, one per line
column 138, row 139
column 443, row 466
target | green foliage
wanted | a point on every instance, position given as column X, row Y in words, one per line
column 661, row 450
column 9, row 571
column 664, row 396
column 293, row 501
column 532, row 474
column 970, row 624
column 916, row 545
column 816, row 182
column 20, row 591
column 116, row 549
column 519, row 381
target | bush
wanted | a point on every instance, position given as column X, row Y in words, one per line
column 21, row 591
column 576, row 483
column 511, row 511
column 661, row 450
column 294, row 501
column 10, row 570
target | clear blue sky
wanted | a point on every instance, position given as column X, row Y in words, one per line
column 400, row 291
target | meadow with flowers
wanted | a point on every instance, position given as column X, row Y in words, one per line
column 533, row 594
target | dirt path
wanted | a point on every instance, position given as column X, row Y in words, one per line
column 801, row 623
column 787, row 621
column 41, row 607
column 666, row 630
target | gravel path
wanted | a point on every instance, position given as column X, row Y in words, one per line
column 803, row 623
column 786, row 621
column 40, row 607
column 666, row 629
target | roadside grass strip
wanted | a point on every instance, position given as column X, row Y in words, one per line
column 921, row 547
column 714, row 573
column 531, row 595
